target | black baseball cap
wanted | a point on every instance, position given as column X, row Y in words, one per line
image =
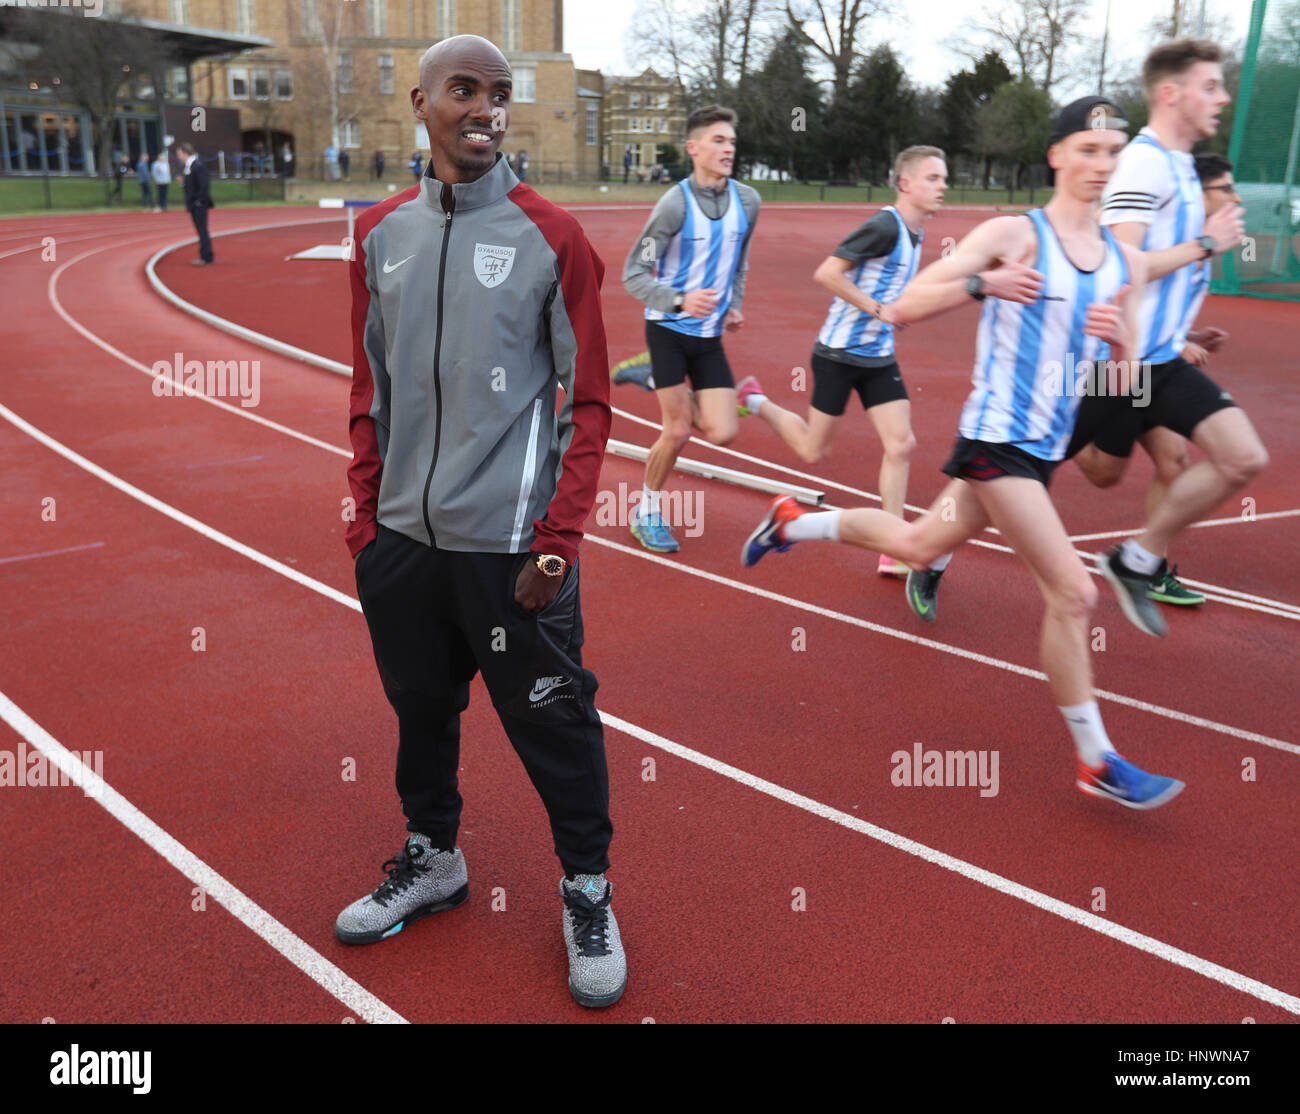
column 1085, row 114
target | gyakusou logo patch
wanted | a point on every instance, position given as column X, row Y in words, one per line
column 492, row 264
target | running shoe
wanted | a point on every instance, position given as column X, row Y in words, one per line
column 597, row 965
column 636, row 370
column 1122, row 782
column 744, row 389
column 1167, row 588
column 770, row 533
column 421, row 880
column 1131, row 588
column 653, row 533
column 890, row 566
column 923, row 592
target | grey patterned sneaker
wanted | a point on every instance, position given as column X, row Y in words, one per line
column 597, row 966
column 421, row 880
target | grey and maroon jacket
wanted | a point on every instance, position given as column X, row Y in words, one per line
column 463, row 326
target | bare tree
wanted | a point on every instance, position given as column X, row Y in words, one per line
column 838, row 23
column 329, row 22
column 92, row 60
column 708, row 45
column 1037, row 35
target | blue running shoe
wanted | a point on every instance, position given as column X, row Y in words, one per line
column 1123, row 783
column 771, row 531
column 653, row 533
column 635, row 370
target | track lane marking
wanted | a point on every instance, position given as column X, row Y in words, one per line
column 1137, row 940
column 244, row 909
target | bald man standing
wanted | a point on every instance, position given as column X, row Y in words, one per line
column 473, row 300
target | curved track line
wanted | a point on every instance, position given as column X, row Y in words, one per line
column 240, row 906
column 943, row 647
column 1148, row 944
column 192, row 392
column 1223, row 595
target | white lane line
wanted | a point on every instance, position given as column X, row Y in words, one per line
column 1268, row 607
column 1235, row 520
column 174, row 514
column 192, row 392
column 1148, row 944
column 942, row 647
column 50, row 553
column 59, row 241
column 1047, row 904
column 243, row 908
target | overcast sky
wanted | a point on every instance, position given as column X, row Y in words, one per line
column 594, row 33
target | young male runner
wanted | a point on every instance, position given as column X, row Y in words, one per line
column 855, row 348
column 1168, row 451
column 1058, row 289
column 688, row 266
column 1154, row 203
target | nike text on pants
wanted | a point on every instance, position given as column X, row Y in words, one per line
column 437, row 617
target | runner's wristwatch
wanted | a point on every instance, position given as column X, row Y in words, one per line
column 975, row 288
column 1207, row 244
column 679, row 300
column 549, row 564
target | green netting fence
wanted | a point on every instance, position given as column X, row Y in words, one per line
column 1264, row 149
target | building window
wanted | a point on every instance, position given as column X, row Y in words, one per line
column 377, row 19
column 663, row 100
column 245, row 17
column 511, row 12
column 345, row 71
column 180, row 11
column 636, row 100
column 385, row 73
column 284, row 85
column 180, row 83
column 525, row 84
column 446, row 18
column 238, row 84
column 593, row 125
column 636, row 124
column 663, row 124
column 350, row 134
column 261, row 85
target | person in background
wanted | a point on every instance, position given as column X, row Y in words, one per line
column 379, row 165
column 345, row 163
column 523, row 166
column 198, row 199
column 145, row 179
column 162, row 176
column 417, row 166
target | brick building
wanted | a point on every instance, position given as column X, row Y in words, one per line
column 642, row 115
column 282, row 93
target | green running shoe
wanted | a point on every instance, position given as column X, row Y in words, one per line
column 1167, row 588
column 923, row 593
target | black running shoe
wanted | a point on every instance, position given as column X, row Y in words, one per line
column 1131, row 588
column 923, row 593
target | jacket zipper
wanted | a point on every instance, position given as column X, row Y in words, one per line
column 437, row 379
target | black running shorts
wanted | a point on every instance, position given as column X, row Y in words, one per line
column 834, row 381
column 676, row 357
column 980, row 461
column 1180, row 397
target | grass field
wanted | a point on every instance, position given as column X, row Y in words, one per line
column 35, row 195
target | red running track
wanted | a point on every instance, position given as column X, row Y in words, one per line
column 237, row 750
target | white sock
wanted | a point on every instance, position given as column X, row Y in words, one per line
column 940, row 563
column 823, row 526
column 649, row 503
column 754, row 402
column 1139, row 559
column 1090, row 738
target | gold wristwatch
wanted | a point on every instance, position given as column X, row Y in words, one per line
column 549, row 564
